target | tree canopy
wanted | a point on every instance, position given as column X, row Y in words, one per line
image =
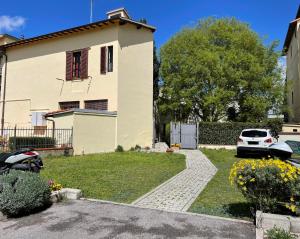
column 220, row 67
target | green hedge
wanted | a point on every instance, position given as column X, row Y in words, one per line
column 228, row 133
column 31, row 142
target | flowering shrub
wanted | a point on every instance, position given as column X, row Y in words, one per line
column 267, row 183
column 54, row 186
column 176, row 145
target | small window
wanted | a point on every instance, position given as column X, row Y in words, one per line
column 292, row 97
column 110, row 53
column 38, row 119
column 69, row 105
column 96, row 104
column 118, row 15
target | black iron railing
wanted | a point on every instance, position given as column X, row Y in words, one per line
column 38, row 137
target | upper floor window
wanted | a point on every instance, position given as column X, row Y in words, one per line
column 110, row 51
column 106, row 61
column 96, row 104
column 67, row 105
column 77, row 64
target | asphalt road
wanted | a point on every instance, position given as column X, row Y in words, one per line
column 89, row 219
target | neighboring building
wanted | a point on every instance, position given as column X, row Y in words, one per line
column 6, row 39
column 104, row 69
column 292, row 52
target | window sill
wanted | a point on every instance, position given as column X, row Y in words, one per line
column 77, row 79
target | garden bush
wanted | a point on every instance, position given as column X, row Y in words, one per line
column 228, row 133
column 22, row 193
column 278, row 233
column 271, row 185
column 119, row 149
column 31, row 142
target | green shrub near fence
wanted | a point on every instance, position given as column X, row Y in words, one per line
column 228, row 133
column 31, row 142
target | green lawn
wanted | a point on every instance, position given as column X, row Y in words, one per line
column 219, row 197
column 120, row 177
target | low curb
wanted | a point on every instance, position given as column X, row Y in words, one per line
column 65, row 193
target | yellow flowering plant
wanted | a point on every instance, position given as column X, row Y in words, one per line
column 54, row 186
column 270, row 185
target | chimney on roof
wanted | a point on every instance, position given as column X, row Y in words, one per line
column 117, row 13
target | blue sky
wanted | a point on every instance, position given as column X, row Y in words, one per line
column 32, row 17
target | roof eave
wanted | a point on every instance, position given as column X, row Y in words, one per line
column 289, row 35
column 85, row 27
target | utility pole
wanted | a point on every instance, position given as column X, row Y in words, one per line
column 91, row 16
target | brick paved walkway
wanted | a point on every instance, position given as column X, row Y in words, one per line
column 179, row 192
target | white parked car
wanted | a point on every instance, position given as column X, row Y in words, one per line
column 254, row 141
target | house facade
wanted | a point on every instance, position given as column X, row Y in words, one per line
column 292, row 52
column 104, row 69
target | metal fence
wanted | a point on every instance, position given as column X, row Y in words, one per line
column 37, row 138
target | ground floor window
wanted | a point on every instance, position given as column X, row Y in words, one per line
column 96, row 104
column 66, row 105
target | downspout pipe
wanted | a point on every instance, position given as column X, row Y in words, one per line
column 53, row 126
column 3, row 53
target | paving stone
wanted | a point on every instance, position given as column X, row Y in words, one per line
column 179, row 192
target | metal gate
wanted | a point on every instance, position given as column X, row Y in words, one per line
column 184, row 134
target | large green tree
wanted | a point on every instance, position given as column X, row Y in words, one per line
column 220, row 66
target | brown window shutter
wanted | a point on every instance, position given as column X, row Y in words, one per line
column 103, row 60
column 69, row 65
column 84, row 64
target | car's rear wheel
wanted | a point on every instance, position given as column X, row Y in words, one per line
column 240, row 154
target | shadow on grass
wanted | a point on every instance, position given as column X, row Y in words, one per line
column 239, row 210
column 233, row 210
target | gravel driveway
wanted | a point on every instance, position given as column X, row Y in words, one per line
column 92, row 219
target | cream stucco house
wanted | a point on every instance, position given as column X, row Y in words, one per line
column 96, row 78
column 292, row 52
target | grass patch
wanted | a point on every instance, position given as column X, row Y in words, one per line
column 219, row 198
column 120, row 177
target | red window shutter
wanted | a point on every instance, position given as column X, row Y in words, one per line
column 103, row 60
column 69, row 65
column 84, row 64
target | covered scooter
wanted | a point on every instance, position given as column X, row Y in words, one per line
column 284, row 151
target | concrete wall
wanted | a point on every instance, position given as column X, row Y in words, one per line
column 36, row 75
column 291, row 128
column 289, row 136
column 135, row 87
column 293, row 76
column 94, row 133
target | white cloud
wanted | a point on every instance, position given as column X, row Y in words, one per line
column 8, row 24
